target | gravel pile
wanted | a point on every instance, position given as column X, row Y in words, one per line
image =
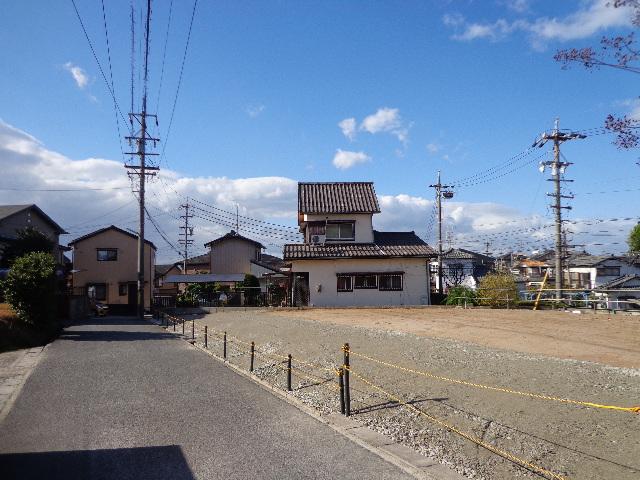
column 572, row 441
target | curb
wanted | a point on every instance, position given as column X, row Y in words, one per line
column 403, row 457
column 32, row 357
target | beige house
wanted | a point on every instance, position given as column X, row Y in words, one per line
column 17, row 217
column 344, row 261
column 105, row 265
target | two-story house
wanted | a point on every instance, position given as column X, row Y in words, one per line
column 105, row 266
column 14, row 218
column 592, row 271
column 344, row 261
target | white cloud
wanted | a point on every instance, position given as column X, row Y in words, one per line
column 433, row 148
column 78, row 74
column 594, row 17
column 519, row 6
column 348, row 127
column 633, row 106
column 344, row 159
column 254, row 110
column 386, row 120
column 29, row 165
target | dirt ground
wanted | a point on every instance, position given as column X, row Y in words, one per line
column 603, row 338
column 518, row 350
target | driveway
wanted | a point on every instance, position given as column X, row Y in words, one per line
column 117, row 398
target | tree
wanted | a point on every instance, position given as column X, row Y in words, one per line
column 634, row 240
column 251, row 284
column 30, row 288
column 27, row 240
column 461, row 295
column 498, row 290
column 620, row 52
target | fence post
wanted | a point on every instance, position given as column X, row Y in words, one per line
column 347, row 393
column 174, row 324
column 289, row 372
column 193, row 329
column 253, row 350
column 341, row 383
column 224, row 346
column 205, row 337
column 183, row 326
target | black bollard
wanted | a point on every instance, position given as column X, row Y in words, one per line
column 253, row 350
column 224, row 346
column 205, row 337
column 341, row 383
column 347, row 393
column 289, row 372
column 193, row 329
column 183, row 327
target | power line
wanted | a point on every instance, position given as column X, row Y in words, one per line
column 62, row 189
column 175, row 100
column 164, row 56
column 95, row 56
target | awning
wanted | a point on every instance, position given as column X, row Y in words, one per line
column 205, row 278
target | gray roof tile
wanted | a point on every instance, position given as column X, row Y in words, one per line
column 337, row 197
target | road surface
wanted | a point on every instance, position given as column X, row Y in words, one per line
column 121, row 399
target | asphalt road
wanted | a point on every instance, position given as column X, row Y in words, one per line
column 120, row 399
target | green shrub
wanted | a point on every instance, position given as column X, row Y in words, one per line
column 461, row 295
column 30, row 288
column 498, row 290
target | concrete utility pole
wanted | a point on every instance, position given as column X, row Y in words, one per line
column 557, row 171
column 448, row 194
column 187, row 232
column 142, row 170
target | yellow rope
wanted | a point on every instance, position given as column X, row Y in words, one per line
column 468, row 436
column 497, row 389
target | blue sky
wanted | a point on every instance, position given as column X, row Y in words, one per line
column 456, row 86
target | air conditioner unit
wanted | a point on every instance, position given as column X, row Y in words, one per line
column 318, row 239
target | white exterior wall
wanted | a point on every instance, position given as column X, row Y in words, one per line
column 322, row 273
column 596, row 280
column 363, row 223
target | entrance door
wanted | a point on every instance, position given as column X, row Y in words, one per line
column 300, row 290
column 132, row 301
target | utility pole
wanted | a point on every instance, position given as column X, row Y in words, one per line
column 557, row 171
column 141, row 137
column 447, row 194
column 187, row 232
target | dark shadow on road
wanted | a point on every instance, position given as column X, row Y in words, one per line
column 394, row 404
column 112, row 336
column 111, row 321
column 117, row 464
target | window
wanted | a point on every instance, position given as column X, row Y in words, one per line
column 345, row 283
column 608, row 271
column 123, row 289
column 340, row 231
column 366, row 281
column 97, row 291
column 391, row 282
column 107, row 254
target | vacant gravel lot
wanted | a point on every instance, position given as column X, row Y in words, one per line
column 572, row 441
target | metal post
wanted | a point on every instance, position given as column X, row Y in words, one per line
column 347, row 393
column 289, row 372
column 174, row 324
column 205, row 337
column 253, row 352
column 341, row 383
column 193, row 329
column 224, row 346
column 183, row 326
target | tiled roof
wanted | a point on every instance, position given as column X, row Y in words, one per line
column 233, row 235
column 586, row 260
column 386, row 245
column 337, row 197
column 7, row 211
column 199, row 260
column 111, row 227
column 462, row 254
column 620, row 281
column 163, row 269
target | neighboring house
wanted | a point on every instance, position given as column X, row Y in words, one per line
column 105, row 265
column 592, row 271
column 17, row 217
column 344, row 261
column 161, row 286
column 461, row 267
column 198, row 264
column 622, row 293
column 234, row 254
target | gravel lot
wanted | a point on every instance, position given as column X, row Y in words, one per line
column 572, row 441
